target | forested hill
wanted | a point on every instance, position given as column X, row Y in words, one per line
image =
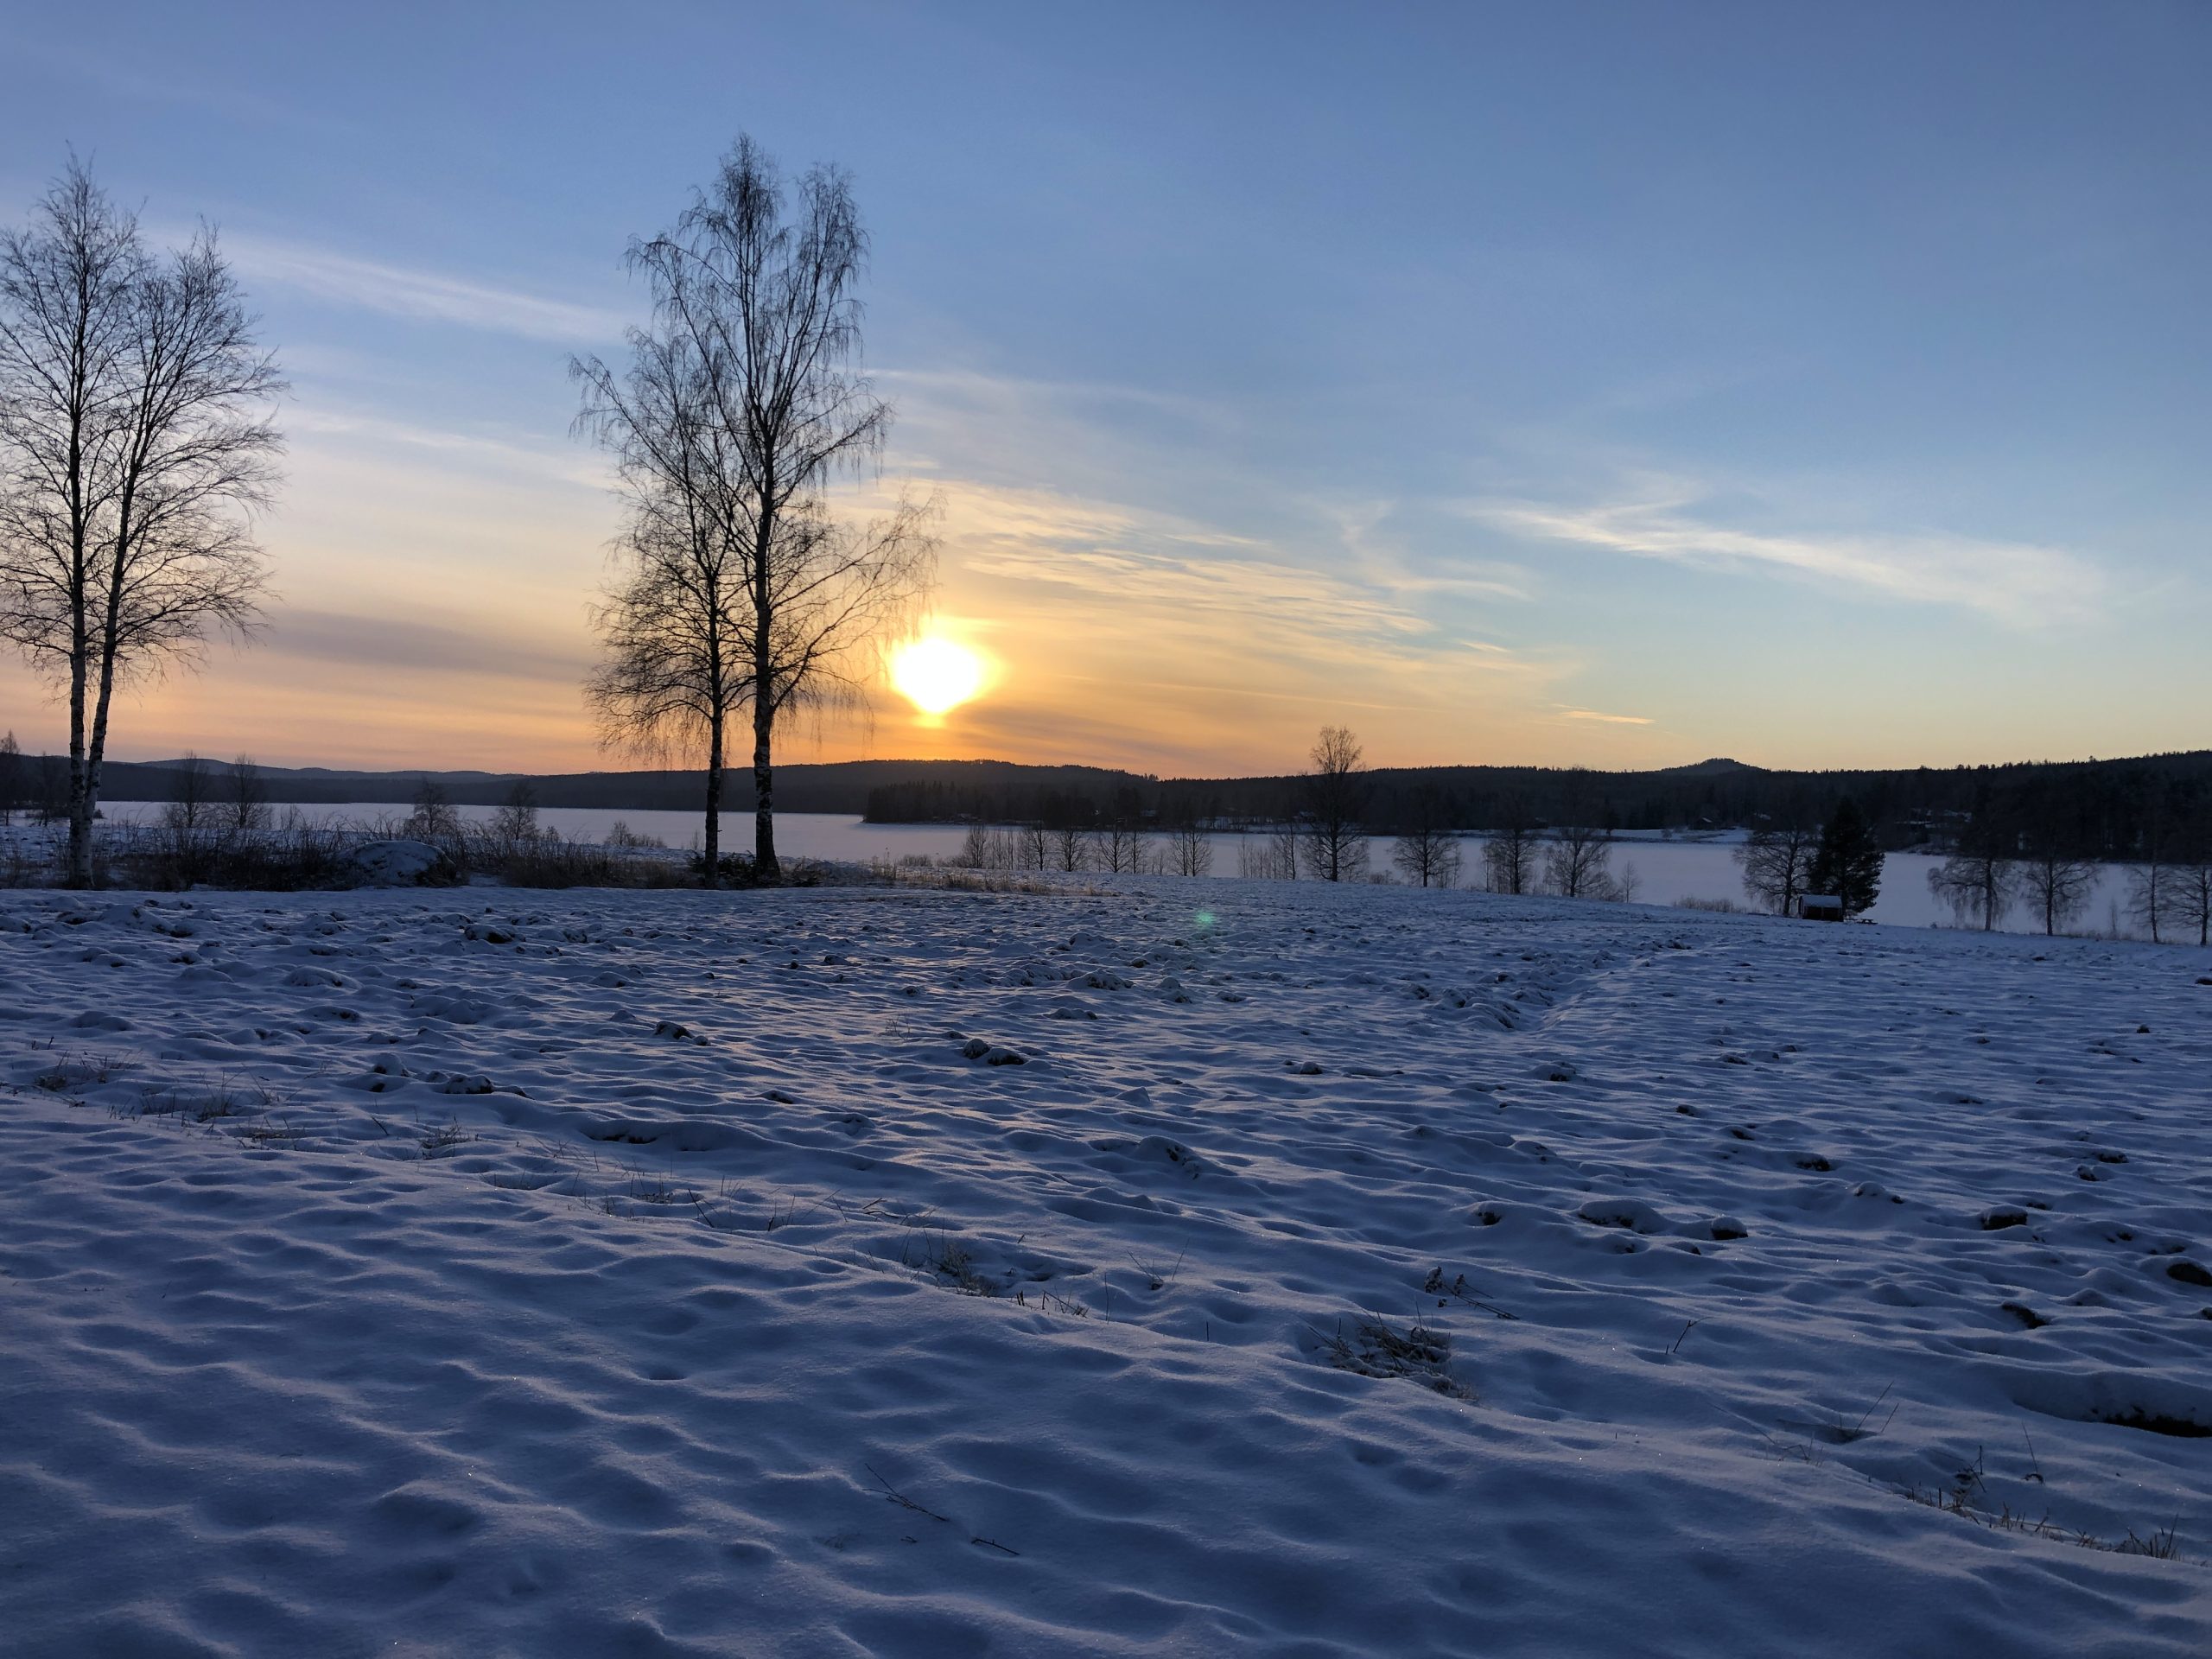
column 2104, row 807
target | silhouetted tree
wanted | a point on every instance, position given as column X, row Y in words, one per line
column 434, row 819
column 1118, row 846
column 249, row 797
column 192, row 797
column 1578, row 854
column 1070, row 845
column 2192, row 882
column 135, row 449
column 50, row 778
column 1335, row 795
column 1849, row 861
column 11, row 778
column 1193, row 849
column 1777, row 859
column 514, row 824
column 743, row 404
column 1509, row 855
column 1976, row 880
column 1286, row 842
column 1426, row 851
column 1578, row 861
column 2151, row 888
column 2053, row 880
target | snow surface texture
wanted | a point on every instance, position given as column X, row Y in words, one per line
column 847, row 1272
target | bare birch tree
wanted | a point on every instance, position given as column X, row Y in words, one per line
column 136, row 447
column 1285, row 842
column 1335, row 790
column 1978, row 887
column 740, row 588
column 1192, row 848
column 248, row 806
column 2054, row 879
column 1118, row 846
column 434, row 817
column 2151, row 877
column 1510, row 854
column 2190, row 881
column 1577, row 862
column 1777, row 860
column 2056, row 886
column 1426, row 850
column 2151, row 893
column 192, row 797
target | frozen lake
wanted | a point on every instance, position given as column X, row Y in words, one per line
column 1667, row 872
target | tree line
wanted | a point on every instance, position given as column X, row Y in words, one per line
column 2030, row 845
column 1323, row 828
column 2114, row 807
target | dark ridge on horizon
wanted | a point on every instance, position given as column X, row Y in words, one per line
column 2108, row 801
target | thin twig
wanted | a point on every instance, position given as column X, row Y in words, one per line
column 902, row 1500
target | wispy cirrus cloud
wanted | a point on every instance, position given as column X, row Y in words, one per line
column 1161, row 638
column 1163, row 575
column 2020, row 583
column 400, row 291
column 359, row 431
column 1606, row 719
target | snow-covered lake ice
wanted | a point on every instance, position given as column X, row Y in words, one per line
column 1666, row 871
column 1337, row 1272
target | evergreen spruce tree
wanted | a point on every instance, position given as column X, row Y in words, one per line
column 1849, row 863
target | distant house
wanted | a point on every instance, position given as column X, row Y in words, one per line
column 1820, row 907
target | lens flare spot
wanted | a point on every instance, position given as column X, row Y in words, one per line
column 936, row 675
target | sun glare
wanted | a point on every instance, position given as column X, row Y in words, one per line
column 934, row 674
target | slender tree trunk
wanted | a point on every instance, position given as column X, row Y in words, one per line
column 81, row 799
column 765, row 867
column 713, row 876
column 95, row 758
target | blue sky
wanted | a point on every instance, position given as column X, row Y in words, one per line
column 1622, row 385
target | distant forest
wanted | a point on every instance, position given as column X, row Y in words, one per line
column 2098, row 809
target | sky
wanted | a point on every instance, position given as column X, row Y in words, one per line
column 1606, row 385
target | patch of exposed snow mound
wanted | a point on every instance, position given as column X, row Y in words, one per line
column 401, row 863
column 1638, row 1217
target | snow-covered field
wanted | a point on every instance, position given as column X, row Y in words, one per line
column 675, row 1272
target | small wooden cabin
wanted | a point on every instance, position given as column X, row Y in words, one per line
column 1820, row 907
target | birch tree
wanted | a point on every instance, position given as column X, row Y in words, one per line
column 740, row 590
column 1335, row 790
column 1777, row 859
column 1510, row 853
column 136, row 448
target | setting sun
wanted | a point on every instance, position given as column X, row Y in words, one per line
column 936, row 675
